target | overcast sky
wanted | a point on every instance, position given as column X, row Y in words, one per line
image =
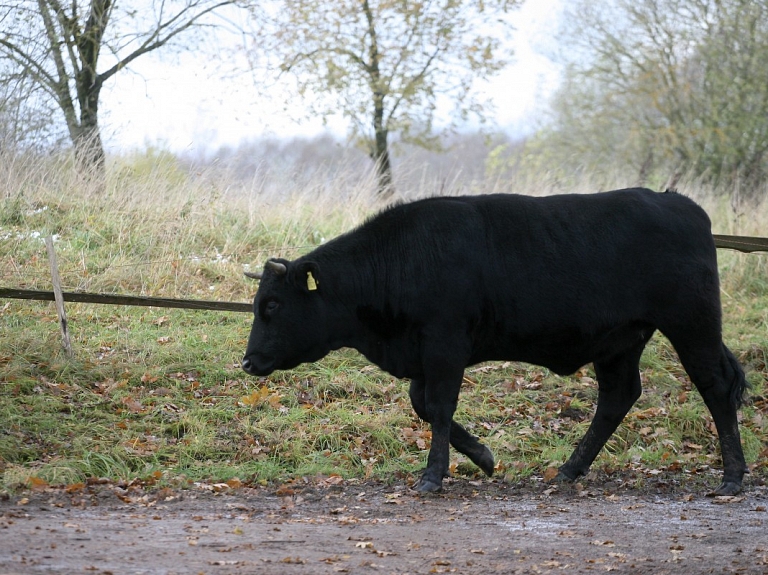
column 181, row 103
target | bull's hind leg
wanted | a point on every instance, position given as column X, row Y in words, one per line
column 720, row 379
column 618, row 380
column 461, row 439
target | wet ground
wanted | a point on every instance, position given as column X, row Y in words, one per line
column 333, row 526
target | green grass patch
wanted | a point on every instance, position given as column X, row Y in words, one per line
column 159, row 393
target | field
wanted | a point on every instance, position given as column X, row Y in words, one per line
column 155, row 397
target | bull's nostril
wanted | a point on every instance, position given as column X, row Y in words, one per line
column 257, row 364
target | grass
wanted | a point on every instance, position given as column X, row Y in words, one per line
column 158, row 393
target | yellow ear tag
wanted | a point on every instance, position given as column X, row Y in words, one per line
column 311, row 283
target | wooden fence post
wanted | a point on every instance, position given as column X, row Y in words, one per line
column 58, row 296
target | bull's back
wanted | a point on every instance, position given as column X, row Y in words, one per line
column 625, row 242
column 598, row 228
column 568, row 258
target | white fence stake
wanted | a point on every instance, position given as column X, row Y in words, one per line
column 58, row 296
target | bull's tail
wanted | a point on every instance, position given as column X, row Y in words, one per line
column 739, row 384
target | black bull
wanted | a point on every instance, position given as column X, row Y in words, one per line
column 427, row 288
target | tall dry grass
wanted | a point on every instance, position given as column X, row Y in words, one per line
column 157, row 227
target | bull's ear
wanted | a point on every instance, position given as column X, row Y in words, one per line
column 308, row 276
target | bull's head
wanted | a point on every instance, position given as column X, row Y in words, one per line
column 290, row 319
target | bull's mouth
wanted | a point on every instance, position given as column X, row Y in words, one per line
column 258, row 364
column 262, row 364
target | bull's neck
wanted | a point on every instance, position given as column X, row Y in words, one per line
column 346, row 295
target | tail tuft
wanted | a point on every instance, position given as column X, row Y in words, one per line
column 739, row 384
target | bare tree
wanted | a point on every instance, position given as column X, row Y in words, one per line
column 59, row 47
column 666, row 86
column 386, row 65
column 24, row 122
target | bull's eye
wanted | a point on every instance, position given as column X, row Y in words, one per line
column 271, row 307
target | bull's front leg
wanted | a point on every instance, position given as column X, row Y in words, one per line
column 442, row 386
column 461, row 440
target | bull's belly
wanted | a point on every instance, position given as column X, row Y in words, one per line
column 396, row 358
column 562, row 351
column 566, row 351
column 564, row 363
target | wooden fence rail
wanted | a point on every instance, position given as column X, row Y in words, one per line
column 745, row 244
column 83, row 297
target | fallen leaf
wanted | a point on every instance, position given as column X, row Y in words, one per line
column 284, row 490
column 74, row 487
column 550, row 473
column 37, row 483
column 333, row 559
column 132, row 405
column 235, row 483
column 262, row 395
column 726, row 499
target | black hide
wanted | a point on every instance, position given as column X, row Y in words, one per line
column 427, row 288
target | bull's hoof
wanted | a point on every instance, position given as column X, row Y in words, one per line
column 425, row 485
column 485, row 461
column 726, row 488
column 562, row 478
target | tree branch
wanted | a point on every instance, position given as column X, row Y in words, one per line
column 29, row 65
column 156, row 40
column 411, row 84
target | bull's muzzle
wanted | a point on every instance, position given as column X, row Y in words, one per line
column 257, row 364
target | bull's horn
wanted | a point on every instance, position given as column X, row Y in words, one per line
column 253, row 275
column 276, row 267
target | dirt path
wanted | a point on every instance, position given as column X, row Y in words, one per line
column 473, row 527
